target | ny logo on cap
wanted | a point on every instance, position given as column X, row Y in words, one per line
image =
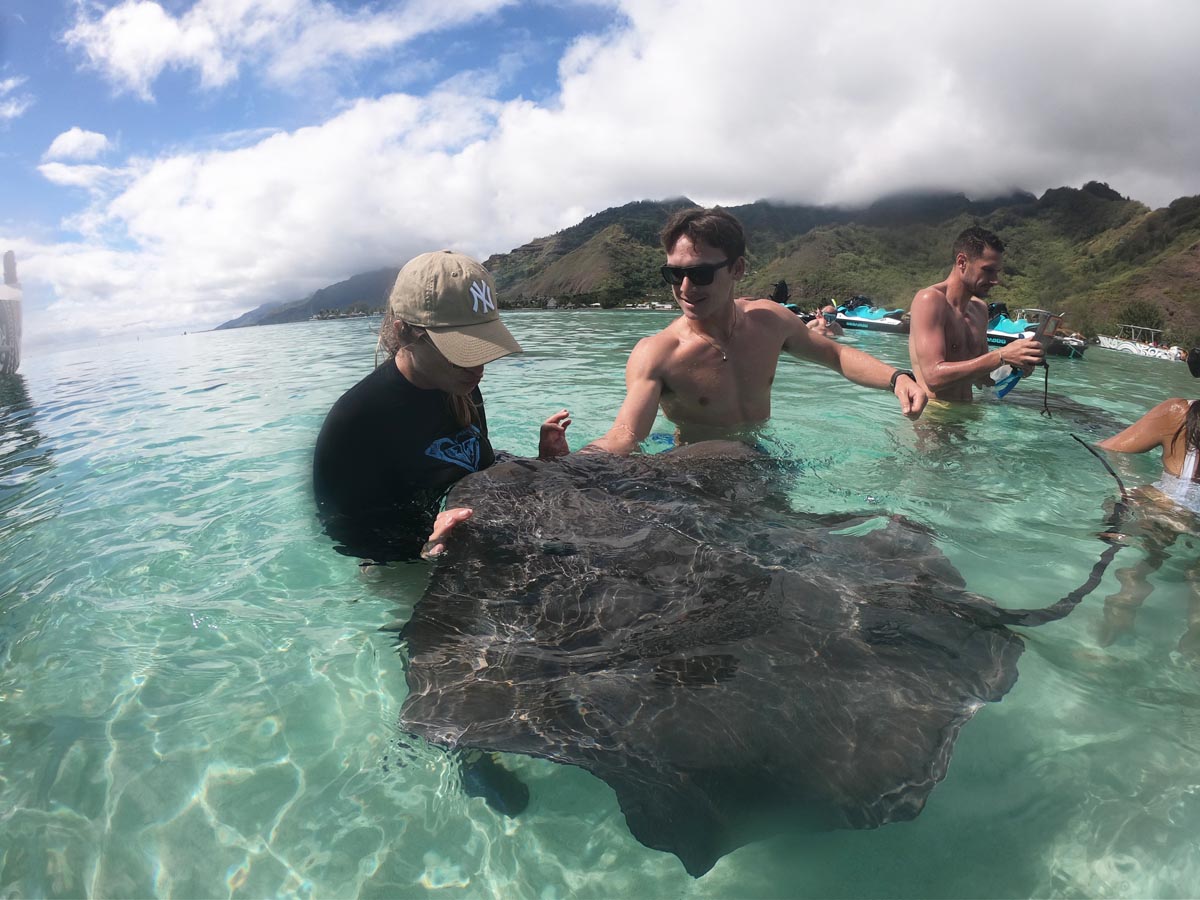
column 481, row 295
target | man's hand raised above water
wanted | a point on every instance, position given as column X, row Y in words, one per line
column 552, row 442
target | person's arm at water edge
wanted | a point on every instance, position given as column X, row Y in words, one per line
column 643, row 390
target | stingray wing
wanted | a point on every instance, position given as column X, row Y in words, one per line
column 728, row 666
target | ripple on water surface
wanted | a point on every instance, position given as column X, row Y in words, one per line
column 196, row 698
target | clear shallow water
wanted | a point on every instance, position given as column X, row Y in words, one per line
column 197, row 698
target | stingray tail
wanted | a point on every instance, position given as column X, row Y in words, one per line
column 1110, row 536
column 1061, row 608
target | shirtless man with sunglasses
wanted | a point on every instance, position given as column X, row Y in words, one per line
column 711, row 369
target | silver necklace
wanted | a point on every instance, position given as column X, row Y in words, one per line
column 704, row 337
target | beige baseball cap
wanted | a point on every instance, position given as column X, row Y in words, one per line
column 453, row 298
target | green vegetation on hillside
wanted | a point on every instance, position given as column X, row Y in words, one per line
column 1088, row 252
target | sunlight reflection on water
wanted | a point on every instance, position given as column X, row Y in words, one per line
column 196, row 698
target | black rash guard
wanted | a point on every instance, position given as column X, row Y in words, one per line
column 386, row 455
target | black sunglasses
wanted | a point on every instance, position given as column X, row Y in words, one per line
column 699, row 275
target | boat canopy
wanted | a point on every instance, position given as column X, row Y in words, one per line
column 1035, row 315
column 1139, row 333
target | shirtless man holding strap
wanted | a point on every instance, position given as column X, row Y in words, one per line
column 711, row 369
column 947, row 340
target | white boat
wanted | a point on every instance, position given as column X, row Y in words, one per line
column 10, row 317
column 1139, row 341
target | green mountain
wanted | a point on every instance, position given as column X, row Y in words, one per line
column 822, row 252
column 358, row 295
column 1089, row 252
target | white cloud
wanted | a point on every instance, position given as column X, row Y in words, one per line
column 12, row 104
column 77, row 144
column 799, row 102
column 14, row 108
column 134, row 41
column 77, row 176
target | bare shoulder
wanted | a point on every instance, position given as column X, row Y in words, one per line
column 1168, row 411
column 1176, row 408
column 749, row 303
column 930, row 298
column 746, row 304
column 652, row 351
column 772, row 326
column 766, row 310
column 1157, row 427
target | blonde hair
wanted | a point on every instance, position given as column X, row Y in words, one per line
column 394, row 340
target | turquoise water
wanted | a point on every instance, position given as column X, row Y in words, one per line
column 199, row 698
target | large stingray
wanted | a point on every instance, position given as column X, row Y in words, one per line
column 729, row 666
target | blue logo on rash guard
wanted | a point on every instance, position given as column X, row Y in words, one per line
column 461, row 450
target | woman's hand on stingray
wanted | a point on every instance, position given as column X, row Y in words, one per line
column 445, row 522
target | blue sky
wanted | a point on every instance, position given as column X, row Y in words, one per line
column 169, row 164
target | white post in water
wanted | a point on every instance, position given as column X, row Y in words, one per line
column 10, row 317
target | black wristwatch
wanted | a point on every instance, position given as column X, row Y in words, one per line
column 897, row 374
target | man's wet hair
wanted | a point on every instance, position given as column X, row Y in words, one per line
column 715, row 227
column 974, row 240
column 1193, row 361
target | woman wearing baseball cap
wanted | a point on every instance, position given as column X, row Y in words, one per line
column 1165, row 509
column 395, row 443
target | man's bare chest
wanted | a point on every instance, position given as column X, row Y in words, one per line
column 705, row 380
column 966, row 336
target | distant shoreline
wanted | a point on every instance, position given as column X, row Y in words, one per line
column 663, row 307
